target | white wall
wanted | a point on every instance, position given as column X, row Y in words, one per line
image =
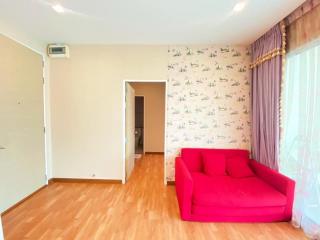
column 86, row 106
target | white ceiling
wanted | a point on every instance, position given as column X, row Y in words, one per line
column 145, row 21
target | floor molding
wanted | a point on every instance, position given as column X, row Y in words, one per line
column 157, row 153
column 171, row 183
column 83, row 180
column 22, row 200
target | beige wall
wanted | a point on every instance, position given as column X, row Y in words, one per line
column 154, row 100
column 22, row 159
column 208, row 104
column 87, row 106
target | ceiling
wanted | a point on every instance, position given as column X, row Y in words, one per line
column 145, row 21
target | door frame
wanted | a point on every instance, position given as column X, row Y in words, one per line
column 144, row 119
column 124, row 82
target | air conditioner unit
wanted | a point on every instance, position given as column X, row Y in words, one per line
column 58, row 51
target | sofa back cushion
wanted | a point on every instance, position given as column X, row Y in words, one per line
column 214, row 164
column 238, row 167
column 193, row 156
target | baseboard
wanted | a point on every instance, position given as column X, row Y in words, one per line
column 157, row 153
column 83, row 180
column 22, row 200
column 171, row 183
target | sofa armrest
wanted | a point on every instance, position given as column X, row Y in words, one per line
column 282, row 183
column 279, row 181
column 184, row 188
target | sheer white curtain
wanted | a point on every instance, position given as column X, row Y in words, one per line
column 300, row 141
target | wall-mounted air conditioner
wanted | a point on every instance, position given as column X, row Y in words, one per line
column 58, row 51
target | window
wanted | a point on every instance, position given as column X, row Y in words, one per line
column 300, row 141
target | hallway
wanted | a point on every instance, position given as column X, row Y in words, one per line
column 141, row 209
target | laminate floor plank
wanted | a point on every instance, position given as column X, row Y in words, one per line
column 141, row 209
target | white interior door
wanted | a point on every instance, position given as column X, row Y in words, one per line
column 22, row 158
column 130, row 128
column 1, row 231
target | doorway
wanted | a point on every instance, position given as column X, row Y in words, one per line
column 139, row 125
column 143, row 122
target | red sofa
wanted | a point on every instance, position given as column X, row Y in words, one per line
column 265, row 196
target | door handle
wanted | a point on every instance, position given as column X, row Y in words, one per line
column 1, row 147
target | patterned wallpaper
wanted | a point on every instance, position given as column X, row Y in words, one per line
column 208, row 99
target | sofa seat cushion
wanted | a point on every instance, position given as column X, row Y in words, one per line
column 225, row 191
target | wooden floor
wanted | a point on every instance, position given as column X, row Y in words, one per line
column 141, row 209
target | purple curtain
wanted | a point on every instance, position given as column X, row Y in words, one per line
column 266, row 81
